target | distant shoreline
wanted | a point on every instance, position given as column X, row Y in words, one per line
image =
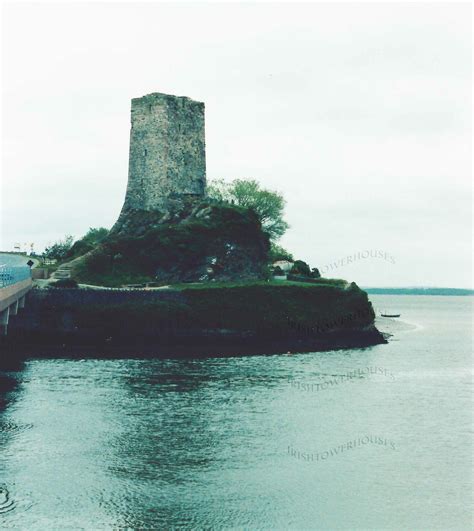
column 418, row 291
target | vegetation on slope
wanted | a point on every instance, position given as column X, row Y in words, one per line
column 273, row 307
column 268, row 205
column 218, row 242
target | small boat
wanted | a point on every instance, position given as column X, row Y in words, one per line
column 390, row 314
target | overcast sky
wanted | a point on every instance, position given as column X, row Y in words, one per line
column 360, row 114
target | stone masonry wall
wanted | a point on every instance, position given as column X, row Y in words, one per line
column 167, row 159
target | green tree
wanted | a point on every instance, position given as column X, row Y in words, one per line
column 219, row 190
column 91, row 239
column 278, row 253
column 59, row 249
column 95, row 236
column 268, row 205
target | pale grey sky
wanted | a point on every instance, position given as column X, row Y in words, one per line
column 360, row 114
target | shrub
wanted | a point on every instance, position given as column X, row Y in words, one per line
column 99, row 262
column 268, row 205
column 79, row 248
column 229, row 235
column 58, row 251
column 65, row 283
column 278, row 271
column 279, row 253
column 88, row 242
column 300, row 268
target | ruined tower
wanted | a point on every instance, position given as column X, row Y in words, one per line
column 167, row 160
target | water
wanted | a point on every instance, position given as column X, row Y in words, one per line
column 213, row 443
column 13, row 260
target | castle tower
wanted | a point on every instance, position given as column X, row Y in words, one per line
column 167, row 161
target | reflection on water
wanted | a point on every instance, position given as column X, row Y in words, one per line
column 205, row 443
column 6, row 504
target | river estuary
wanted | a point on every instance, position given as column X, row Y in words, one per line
column 375, row 438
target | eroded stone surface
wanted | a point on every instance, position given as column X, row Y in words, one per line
column 167, row 161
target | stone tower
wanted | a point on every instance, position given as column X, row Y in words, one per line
column 167, row 161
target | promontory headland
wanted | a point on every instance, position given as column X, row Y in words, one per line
column 204, row 258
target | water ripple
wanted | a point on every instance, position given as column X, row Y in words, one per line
column 12, row 428
column 6, row 504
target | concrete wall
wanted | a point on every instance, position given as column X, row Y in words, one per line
column 39, row 273
column 12, row 298
column 10, row 294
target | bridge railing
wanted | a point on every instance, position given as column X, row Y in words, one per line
column 10, row 275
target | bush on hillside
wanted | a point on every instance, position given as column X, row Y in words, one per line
column 300, row 268
column 279, row 253
column 64, row 283
column 220, row 242
column 278, row 271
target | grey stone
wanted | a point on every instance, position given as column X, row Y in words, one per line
column 167, row 159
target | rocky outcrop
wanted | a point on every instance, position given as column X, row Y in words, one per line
column 199, row 242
